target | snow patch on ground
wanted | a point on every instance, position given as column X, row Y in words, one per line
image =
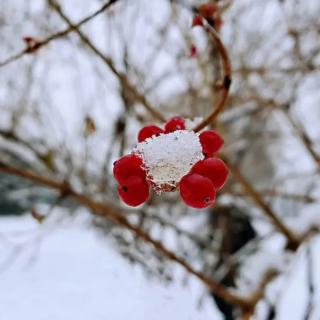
column 77, row 275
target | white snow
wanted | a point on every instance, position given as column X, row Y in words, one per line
column 77, row 275
column 169, row 157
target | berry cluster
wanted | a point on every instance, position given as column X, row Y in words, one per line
column 198, row 187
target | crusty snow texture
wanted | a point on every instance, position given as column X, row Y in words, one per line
column 169, row 157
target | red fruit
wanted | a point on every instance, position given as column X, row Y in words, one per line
column 197, row 191
column 208, row 9
column 175, row 123
column 211, row 142
column 148, row 132
column 134, row 192
column 197, row 21
column 193, row 51
column 214, row 169
column 127, row 166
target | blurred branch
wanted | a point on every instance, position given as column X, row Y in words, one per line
column 125, row 83
column 117, row 218
column 304, row 138
column 311, row 289
column 38, row 44
column 278, row 194
column 43, row 158
column 293, row 240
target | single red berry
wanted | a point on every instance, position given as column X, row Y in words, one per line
column 193, row 51
column 127, row 166
column 214, row 169
column 207, row 10
column 211, row 142
column 197, row 191
column 134, row 191
column 197, row 21
column 148, row 132
column 175, row 123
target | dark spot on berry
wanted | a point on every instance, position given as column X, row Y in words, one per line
column 206, row 200
column 115, row 162
column 125, row 188
column 205, row 154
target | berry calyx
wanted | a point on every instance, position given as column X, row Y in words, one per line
column 134, row 191
column 175, row 123
column 214, row 169
column 129, row 165
column 148, row 132
column 197, row 191
column 211, row 142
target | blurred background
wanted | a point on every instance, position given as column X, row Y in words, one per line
column 78, row 79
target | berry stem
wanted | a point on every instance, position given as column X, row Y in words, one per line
column 226, row 82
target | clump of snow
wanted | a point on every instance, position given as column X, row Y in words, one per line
column 168, row 157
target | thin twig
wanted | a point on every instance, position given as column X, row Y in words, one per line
column 126, row 85
column 57, row 35
column 293, row 239
column 226, row 82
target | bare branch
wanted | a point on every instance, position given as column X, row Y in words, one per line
column 57, row 35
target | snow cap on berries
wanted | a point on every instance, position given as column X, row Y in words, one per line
column 169, row 157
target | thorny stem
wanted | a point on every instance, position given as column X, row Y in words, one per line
column 226, row 82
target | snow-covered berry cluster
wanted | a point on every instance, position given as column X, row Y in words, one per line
column 170, row 158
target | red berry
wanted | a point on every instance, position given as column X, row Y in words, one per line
column 148, row 132
column 127, row 166
column 211, row 142
column 197, row 21
column 175, row 123
column 214, row 169
column 197, row 191
column 193, row 51
column 208, row 9
column 134, row 191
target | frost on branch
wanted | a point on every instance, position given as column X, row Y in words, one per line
column 168, row 157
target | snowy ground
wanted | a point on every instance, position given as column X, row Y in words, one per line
column 77, row 275
column 67, row 271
